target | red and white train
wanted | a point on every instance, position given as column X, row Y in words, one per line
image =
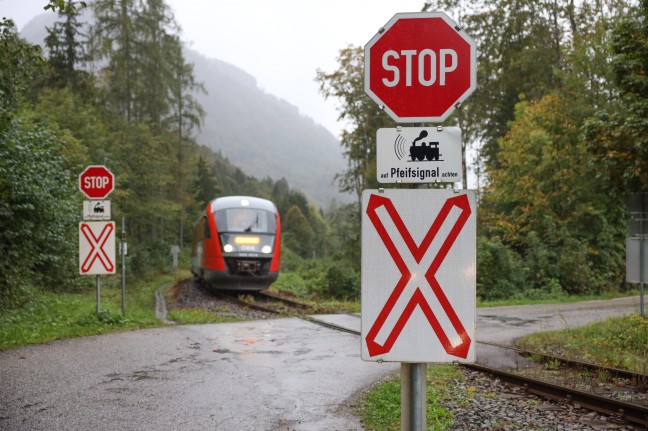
column 237, row 244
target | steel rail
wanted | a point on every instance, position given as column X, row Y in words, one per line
column 234, row 296
column 280, row 298
column 627, row 411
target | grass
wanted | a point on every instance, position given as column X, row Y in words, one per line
column 561, row 298
column 619, row 342
column 55, row 316
column 381, row 409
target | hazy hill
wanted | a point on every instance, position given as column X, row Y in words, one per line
column 262, row 134
column 265, row 135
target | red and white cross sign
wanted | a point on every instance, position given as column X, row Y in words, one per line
column 418, row 275
column 97, row 248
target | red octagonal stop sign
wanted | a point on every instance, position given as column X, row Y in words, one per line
column 96, row 182
column 420, row 67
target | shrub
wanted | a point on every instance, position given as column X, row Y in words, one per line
column 499, row 272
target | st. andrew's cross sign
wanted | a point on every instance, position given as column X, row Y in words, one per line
column 418, row 276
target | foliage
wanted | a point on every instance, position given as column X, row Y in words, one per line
column 563, row 129
column 20, row 64
column 545, row 206
column 63, row 6
column 38, row 213
column 298, row 234
column 347, row 85
column 66, row 46
column 499, row 269
column 618, row 134
column 619, row 342
column 529, row 49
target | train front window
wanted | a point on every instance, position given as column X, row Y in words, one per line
column 245, row 220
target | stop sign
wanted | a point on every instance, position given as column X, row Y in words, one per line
column 96, row 182
column 420, row 66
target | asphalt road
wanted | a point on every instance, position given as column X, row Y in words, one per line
column 284, row 374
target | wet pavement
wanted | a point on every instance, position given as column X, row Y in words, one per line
column 283, row 374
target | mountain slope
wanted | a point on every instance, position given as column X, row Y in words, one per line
column 265, row 135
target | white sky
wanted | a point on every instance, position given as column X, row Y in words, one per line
column 281, row 43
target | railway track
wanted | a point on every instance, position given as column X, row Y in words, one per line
column 628, row 412
column 269, row 303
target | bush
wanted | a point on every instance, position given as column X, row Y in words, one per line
column 38, row 213
column 343, row 282
column 500, row 273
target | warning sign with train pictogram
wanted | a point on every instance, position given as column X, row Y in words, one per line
column 418, row 275
column 419, row 155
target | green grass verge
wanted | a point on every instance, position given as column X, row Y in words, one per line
column 620, row 342
column 55, row 316
column 555, row 299
column 193, row 316
column 381, row 408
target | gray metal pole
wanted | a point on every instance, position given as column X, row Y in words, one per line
column 123, row 265
column 98, row 296
column 413, row 396
column 417, row 390
column 642, row 237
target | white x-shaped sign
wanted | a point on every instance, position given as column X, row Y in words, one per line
column 418, row 266
column 96, row 248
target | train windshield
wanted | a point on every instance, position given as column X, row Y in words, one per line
column 245, row 220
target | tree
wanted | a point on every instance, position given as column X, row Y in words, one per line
column 618, row 135
column 66, row 51
column 21, row 64
column 526, row 50
column 205, row 185
column 544, row 203
column 38, row 213
column 113, row 39
column 298, row 234
column 186, row 115
column 347, row 85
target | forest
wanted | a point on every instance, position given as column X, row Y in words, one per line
column 559, row 126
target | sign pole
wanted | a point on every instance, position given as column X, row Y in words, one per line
column 641, row 258
column 413, row 396
column 98, row 296
column 122, row 246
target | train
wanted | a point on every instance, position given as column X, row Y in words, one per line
column 236, row 244
column 424, row 152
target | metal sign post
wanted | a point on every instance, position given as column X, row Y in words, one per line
column 413, row 396
column 636, row 265
column 122, row 248
column 97, row 232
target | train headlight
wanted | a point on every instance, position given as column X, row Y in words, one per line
column 266, row 249
column 228, row 248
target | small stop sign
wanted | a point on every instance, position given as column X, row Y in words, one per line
column 420, row 66
column 96, row 182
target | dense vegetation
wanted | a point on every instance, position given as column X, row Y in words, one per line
column 558, row 122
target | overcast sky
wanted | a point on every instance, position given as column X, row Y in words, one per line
column 281, row 43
